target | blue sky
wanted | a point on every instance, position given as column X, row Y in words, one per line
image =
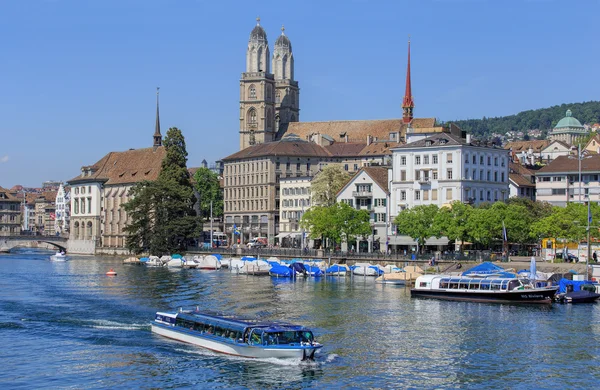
column 79, row 77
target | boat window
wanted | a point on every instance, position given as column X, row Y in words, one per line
column 485, row 285
column 443, row 284
column 474, row 285
column 495, row 285
column 513, row 284
column 423, row 284
column 464, row 285
column 504, row 284
column 256, row 337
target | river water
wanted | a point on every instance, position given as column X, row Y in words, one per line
column 68, row 325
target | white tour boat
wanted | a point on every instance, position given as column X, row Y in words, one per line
column 237, row 336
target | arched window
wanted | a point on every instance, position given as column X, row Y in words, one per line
column 252, row 92
column 252, row 116
column 269, row 91
column 293, row 95
column 277, row 97
column 89, row 230
column 293, row 118
column 76, row 230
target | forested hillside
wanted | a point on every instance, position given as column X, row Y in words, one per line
column 543, row 119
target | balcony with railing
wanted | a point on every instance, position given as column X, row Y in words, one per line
column 362, row 194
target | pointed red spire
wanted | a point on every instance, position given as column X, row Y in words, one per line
column 408, row 104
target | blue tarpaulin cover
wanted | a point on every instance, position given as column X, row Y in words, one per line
column 485, row 268
column 280, row 270
column 575, row 283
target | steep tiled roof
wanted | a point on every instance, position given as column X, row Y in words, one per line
column 379, row 148
column 5, row 196
column 520, row 180
column 379, row 175
column 565, row 164
column 341, row 149
column 537, row 145
column 131, row 166
column 290, row 145
column 357, row 130
column 593, row 144
column 515, row 167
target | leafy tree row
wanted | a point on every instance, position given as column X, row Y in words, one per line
column 336, row 223
column 526, row 222
column 543, row 119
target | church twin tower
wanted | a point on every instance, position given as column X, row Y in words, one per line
column 268, row 101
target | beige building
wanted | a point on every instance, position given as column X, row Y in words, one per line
column 10, row 214
column 252, row 176
column 99, row 192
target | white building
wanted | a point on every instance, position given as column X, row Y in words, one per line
column 61, row 221
column 558, row 182
column 368, row 190
column 446, row 168
column 295, row 200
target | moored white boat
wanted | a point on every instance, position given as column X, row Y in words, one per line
column 481, row 289
column 237, row 336
column 256, row 267
column 209, row 262
column 366, row 269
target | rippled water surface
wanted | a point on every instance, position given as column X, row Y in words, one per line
column 68, row 325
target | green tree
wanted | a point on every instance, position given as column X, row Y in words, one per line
column 206, row 183
column 162, row 214
column 327, row 183
column 452, row 222
column 418, row 222
column 336, row 223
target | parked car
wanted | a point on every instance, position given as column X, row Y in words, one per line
column 571, row 258
column 258, row 242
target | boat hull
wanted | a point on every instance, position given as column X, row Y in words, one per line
column 58, row 258
column 233, row 348
column 520, row 296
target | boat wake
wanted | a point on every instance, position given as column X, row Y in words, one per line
column 106, row 324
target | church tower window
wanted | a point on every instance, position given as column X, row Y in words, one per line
column 252, row 116
column 252, row 92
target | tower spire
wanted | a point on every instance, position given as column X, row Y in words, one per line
column 157, row 135
column 408, row 103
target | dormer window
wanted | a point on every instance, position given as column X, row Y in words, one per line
column 443, row 141
column 429, row 143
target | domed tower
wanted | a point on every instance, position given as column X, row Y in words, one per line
column 287, row 96
column 257, row 92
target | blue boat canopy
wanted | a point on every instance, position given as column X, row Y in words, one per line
column 488, row 268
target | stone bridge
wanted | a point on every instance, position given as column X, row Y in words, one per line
column 9, row 242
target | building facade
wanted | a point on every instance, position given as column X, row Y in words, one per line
column 558, row 182
column 61, row 222
column 446, row 168
column 10, row 214
column 295, row 200
column 252, row 194
column 368, row 190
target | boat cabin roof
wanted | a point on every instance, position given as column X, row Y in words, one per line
column 463, row 279
column 237, row 321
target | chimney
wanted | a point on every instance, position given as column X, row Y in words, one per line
column 468, row 138
column 346, row 138
column 368, row 140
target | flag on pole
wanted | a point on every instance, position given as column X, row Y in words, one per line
column 504, row 236
column 236, row 230
column 589, row 214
